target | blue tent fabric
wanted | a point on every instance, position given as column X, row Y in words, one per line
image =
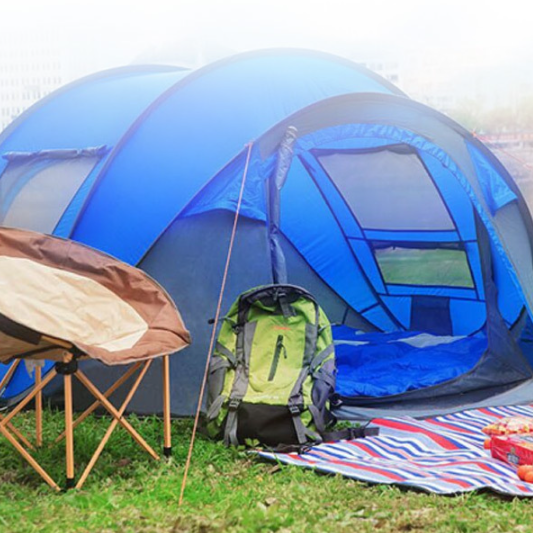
column 21, row 381
column 497, row 193
column 396, row 218
column 235, row 92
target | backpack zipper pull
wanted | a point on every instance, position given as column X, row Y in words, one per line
column 280, row 347
column 275, row 358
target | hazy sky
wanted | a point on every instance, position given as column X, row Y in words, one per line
column 491, row 32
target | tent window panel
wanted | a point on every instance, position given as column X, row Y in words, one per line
column 35, row 192
column 388, row 190
column 438, row 267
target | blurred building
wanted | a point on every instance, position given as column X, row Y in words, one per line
column 31, row 66
column 447, row 82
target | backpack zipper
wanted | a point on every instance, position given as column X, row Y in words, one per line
column 275, row 358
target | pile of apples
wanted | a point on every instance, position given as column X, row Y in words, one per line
column 525, row 473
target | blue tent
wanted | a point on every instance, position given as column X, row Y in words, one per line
column 407, row 229
column 72, row 131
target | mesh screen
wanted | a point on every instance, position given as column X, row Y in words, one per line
column 35, row 193
column 388, row 190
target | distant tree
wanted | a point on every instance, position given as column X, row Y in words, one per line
column 495, row 120
column 469, row 114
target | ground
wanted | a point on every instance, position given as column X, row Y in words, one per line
column 228, row 491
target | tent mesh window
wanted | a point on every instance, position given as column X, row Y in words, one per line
column 388, row 189
column 36, row 188
column 444, row 267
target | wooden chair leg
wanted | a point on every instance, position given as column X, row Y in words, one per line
column 167, row 429
column 113, row 424
column 116, row 414
column 69, row 434
column 8, row 375
column 107, row 393
column 49, row 377
column 20, row 436
column 38, row 408
column 3, row 383
column 5, row 421
column 101, row 399
column 33, row 463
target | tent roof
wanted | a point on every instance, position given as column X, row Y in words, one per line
column 159, row 121
column 214, row 110
column 364, row 120
column 93, row 110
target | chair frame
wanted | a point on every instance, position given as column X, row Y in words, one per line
column 67, row 366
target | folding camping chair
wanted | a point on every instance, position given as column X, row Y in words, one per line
column 65, row 302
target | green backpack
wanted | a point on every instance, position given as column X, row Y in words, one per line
column 272, row 371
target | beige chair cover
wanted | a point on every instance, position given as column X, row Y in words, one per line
column 52, row 288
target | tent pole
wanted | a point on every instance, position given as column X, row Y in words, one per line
column 214, row 329
column 275, row 184
column 167, row 446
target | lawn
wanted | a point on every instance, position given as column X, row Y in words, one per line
column 228, row 491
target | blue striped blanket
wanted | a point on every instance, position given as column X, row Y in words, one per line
column 444, row 454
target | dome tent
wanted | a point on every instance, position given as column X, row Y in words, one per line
column 110, row 141
column 417, row 228
column 404, row 226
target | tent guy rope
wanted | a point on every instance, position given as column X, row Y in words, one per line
column 213, row 331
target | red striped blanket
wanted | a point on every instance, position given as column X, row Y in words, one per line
column 444, row 454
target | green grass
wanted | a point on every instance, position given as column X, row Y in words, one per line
column 228, row 491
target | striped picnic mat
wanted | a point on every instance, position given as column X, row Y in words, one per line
column 443, row 454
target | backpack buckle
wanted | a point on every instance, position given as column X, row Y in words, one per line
column 295, row 410
column 234, row 404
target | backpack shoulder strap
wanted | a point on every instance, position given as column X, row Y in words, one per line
column 245, row 332
column 296, row 399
